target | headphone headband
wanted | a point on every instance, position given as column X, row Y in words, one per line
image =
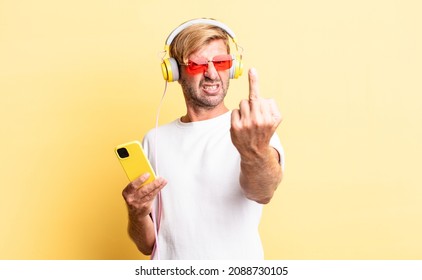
column 186, row 24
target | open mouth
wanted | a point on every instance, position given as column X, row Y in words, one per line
column 211, row 88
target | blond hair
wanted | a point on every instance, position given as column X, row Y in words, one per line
column 192, row 38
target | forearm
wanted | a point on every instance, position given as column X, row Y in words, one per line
column 260, row 175
column 139, row 199
column 141, row 231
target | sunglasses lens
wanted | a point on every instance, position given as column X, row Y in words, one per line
column 195, row 68
column 222, row 62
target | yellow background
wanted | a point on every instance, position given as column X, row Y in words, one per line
column 79, row 77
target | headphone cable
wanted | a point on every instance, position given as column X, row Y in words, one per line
column 157, row 215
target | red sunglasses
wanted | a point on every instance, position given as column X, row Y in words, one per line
column 200, row 65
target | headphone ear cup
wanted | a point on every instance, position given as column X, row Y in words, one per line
column 233, row 67
column 237, row 68
column 170, row 69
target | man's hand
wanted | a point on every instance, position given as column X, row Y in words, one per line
column 254, row 123
column 252, row 126
column 139, row 199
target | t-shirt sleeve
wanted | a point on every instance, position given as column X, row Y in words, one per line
column 276, row 144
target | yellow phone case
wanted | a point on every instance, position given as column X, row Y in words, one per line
column 133, row 160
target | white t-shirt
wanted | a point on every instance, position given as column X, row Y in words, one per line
column 205, row 214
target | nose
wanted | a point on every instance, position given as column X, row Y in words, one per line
column 211, row 72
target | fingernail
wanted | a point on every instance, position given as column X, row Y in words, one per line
column 162, row 180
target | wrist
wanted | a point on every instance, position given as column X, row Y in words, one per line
column 138, row 215
column 253, row 156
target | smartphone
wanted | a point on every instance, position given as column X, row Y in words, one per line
column 133, row 160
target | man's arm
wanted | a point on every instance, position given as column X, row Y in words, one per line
column 139, row 203
column 261, row 175
column 252, row 127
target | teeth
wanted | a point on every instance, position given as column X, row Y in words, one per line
column 214, row 87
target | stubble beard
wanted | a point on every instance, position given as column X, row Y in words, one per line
column 194, row 98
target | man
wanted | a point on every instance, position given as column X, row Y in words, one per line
column 217, row 167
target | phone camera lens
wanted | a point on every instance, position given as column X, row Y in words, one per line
column 123, row 153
